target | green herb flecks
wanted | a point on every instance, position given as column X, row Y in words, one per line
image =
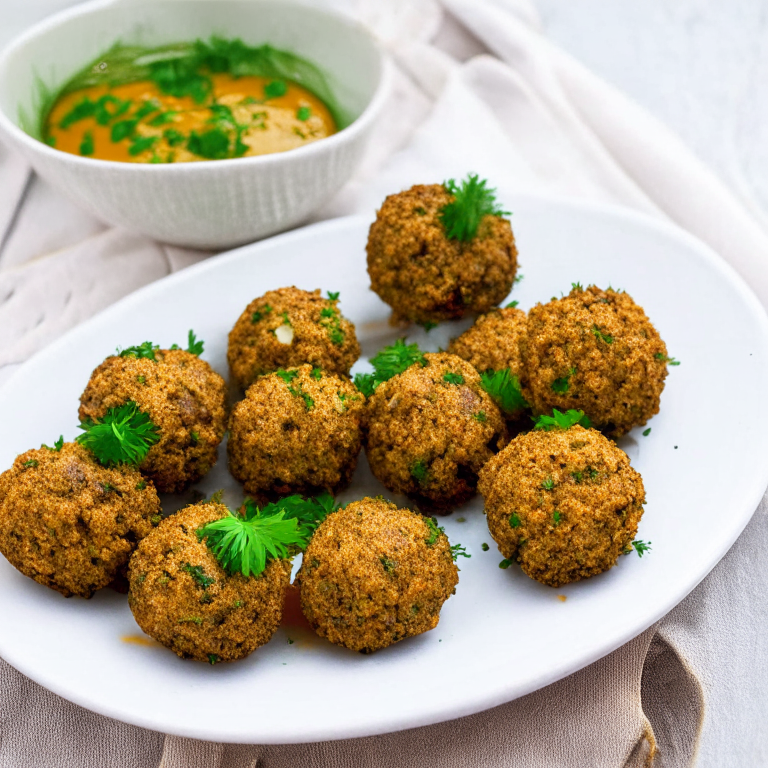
column 480, row 416
column 453, row 378
column 275, row 89
column 420, row 472
column 123, row 435
column 260, row 314
column 428, row 325
column 557, row 517
column 559, row 420
column 514, row 520
column 505, row 563
column 646, row 432
column 562, row 384
column 473, row 200
column 57, row 446
column 665, row 359
column 30, row 463
column 198, row 575
column 484, row 547
column 330, row 319
column 303, row 114
column 512, row 305
column 457, row 551
column 504, row 388
column 144, row 351
column 548, row 484
column 604, row 337
column 389, row 362
column 194, row 347
column 86, row 145
column 640, row 546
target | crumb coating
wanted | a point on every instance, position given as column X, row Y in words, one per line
column 596, row 351
column 182, row 395
column 563, row 504
column 301, row 436
column 428, row 437
column 369, row 577
column 69, row 523
column 320, row 336
column 181, row 597
column 424, row 276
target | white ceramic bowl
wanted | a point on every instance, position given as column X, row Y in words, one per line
column 207, row 204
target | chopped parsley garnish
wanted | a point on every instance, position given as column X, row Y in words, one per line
column 260, row 314
column 333, row 295
column 141, row 144
column 303, row 114
column 665, row 359
column 472, row 202
column 641, row 547
column 457, row 551
column 562, row 384
column 548, row 484
column 504, row 564
column 198, row 575
column 86, row 145
column 512, row 305
column 330, row 319
column 141, row 485
column 286, row 376
column 434, row 530
column 213, row 659
column 80, row 111
column 484, row 547
column 123, row 435
column 577, row 287
column 317, row 374
column 244, row 541
column 30, row 463
column 419, row 471
column 428, row 325
column 514, row 520
column 275, row 89
column 389, row 362
column 123, row 129
column 605, row 337
column 389, row 565
column 194, row 347
column 480, row 416
column 145, row 351
column 504, row 388
column 646, row 432
column 212, row 144
column 173, row 137
column 57, row 446
column 453, row 378
column 559, row 420
column 556, row 517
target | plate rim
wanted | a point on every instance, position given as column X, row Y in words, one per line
column 498, row 696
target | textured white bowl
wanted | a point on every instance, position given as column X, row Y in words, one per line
column 207, row 204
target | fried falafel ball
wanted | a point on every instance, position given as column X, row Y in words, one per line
column 430, row 429
column 423, row 274
column 493, row 344
column 296, row 431
column 563, row 504
column 596, row 351
column 180, row 595
column 69, row 523
column 182, row 395
column 374, row 574
column 287, row 328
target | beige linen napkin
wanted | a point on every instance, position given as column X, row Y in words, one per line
column 692, row 688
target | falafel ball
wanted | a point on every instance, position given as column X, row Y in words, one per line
column 430, row 429
column 563, row 504
column 182, row 395
column 374, row 574
column 180, row 595
column 427, row 277
column 290, row 327
column 296, row 431
column 69, row 523
column 596, row 351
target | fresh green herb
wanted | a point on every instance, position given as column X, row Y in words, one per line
column 605, row 337
column 518, row 278
column 428, row 325
column 290, row 641
column 559, row 420
column 155, row 519
column 50, row 141
column 147, row 108
column 331, row 321
column 504, row 564
column 434, row 530
column 80, row 111
column 389, row 565
column 86, row 145
column 198, row 575
column 303, row 114
column 480, row 416
column 30, row 463
column 123, row 129
column 646, row 432
column 173, row 137
column 286, row 376
column 317, row 374
column 141, row 379
column 191, row 620
column 557, row 517
column 57, row 446
column 141, row 144
column 472, row 202
column 461, row 519
column 260, row 314
column 665, row 359
column 512, row 305
column 145, row 351
column 577, row 476
column 194, row 347
column 562, row 384
column 212, row 144
column 309, row 403
column 484, row 547
column 419, row 471
column 548, row 484
column 514, row 520
column 123, row 436
column 141, row 485
column 243, row 542
column 163, row 118
column 213, row 659
column 275, row 89
column 109, row 488
column 457, row 551
column 195, row 438
column 504, row 388
column 641, row 547
column 389, row 362
column 453, row 378
column 333, row 295
column 577, row 286
column 286, row 319
column 420, row 211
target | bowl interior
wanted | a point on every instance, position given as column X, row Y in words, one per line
column 34, row 67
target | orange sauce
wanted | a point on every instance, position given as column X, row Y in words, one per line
column 138, row 123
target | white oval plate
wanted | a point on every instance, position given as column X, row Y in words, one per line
column 705, row 466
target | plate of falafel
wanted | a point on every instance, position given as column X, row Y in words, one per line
column 403, row 469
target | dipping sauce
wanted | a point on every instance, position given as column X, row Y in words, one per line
column 162, row 120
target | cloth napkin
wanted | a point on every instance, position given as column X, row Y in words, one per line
column 478, row 88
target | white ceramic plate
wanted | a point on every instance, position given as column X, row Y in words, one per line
column 705, row 466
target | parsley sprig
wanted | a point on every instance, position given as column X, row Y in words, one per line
column 245, row 541
column 559, row 420
column 145, row 351
column 472, row 201
column 389, row 362
column 194, row 347
column 504, row 387
column 123, row 436
column 436, row 531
